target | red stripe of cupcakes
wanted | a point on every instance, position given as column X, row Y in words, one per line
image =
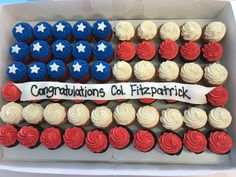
column 190, row 51
column 74, row 137
column 125, row 51
column 168, row 50
column 212, row 51
column 218, row 96
column 146, row 50
column 8, row 136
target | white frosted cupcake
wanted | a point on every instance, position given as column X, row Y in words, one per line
column 147, row 116
column 124, row 114
column 33, row 113
column 101, row 117
column 144, row 71
column 214, row 32
column 191, row 31
column 122, row 71
column 11, row 113
column 124, row 30
column 219, row 118
column 78, row 115
column 147, row 30
column 169, row 31
column 215, row 74
column 195, row 117
column 55, row 114
column 191, row 73
column 168, row 71
column 171, row 119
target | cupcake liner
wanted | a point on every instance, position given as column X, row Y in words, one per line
column 29, row 40
column 107, row 38
column 50, row 39
column 84, row 79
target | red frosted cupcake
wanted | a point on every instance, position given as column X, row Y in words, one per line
column 218, row 96
column 8, row 136
column 125, row 51
column 146, row 100
column 97, row 141
column 146, row 50
column 168, row 50
column 144, row 140
column 77, row 101
column 74, row 137
column 219, row 142
column 190, row 51
column 120, row 137
column 170, row 143
column 10, row 92
column 195, row 141
column 171, row 101
column 212, row 51
column 100, row 102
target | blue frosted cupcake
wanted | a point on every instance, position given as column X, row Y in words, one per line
column 103, row 50
column 82, row 31
column 43, row 31
column 101, row 71
column 57, row 70
column 19, row 51
column 61, row 49
column 17, row 72
column 102, row 30
column 62, row 30
column 80, row 71
column 37, row 71
column 41, row 51
column 82, row 51
column 23, row 32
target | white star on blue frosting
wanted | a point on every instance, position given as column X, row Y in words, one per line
column 37, row 47
column 77, row 67
column 100, row 67
column 34, row 69
column 101, row 47
column 15, row 49
column 54, row 67
column 81, row 27
column 101, row 26
column 19, row 29
column 81, row 48
column 12, row 69
column 60, row 27
column 59, row 47
column 41, row 28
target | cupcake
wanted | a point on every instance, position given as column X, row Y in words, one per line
column 122, row 71
column 214, row 32
column 124, row 114
column 103, row 50
column 125, row 51
column 61, row 49
column 146, row 30
column 41, row 51
column 57, row 70
column 55, row 114
column 43, row 31
column 102, row 30
column 148, row 117
column 146, row 50
column 51, row 138
column 124, row 31
column 218, row 96
column 8, row 136
column 33, row 113
column 195, row 118
column 190, row 51
column 37, row 71
column 74, row 137
column 19, row 51
column 17, row 72
column 144, row 140
column 220, row 142
column 120, row 137
column 191, row 73
column 62, row 30
column 168, row 50
column 82, row 51
column 101, row 117
column 170, row 143
column 78, row 115
column 146, row 100
column 80, row 71
column 10, row 92
column 191, row 31
column 96, row 141
column 23, row 32
column 168, row 71
column 82, row 30
column 171, row 119
column 212, row 51
column 195, row 141
column 219, row 118
column 144, row 71
column 215, row 74
column 100, row 102
column 169, row 31
column 11, row 113
column 101, row 71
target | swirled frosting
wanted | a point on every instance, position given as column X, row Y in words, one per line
column 11, row 113
column 28, row 136
column 191, row 73
column 215, row 31
column 74, row 137
column 54, row 114
column 144, row 70
column 60, row 70
column 122, row 71
column 144, row 140
column 191, row 31
column 124, row 30
column 216, row 74
column 63, row 52
column 33, row 113
column 51, row 138
column 212, row 51
column 145, row 50
column 171, row 119
column 195, row 117
column 101, row 117
column 42, row 51
column 219, row 118
column 124, row 113
column 119, row 137
column 218, row 96
column 125, row 51
column 168, row 71
column 147, row 30
column 168, row 50
column 147, row 116
column 190, row 51
column 10, row 92
column 78, row 114
column 8, row 135
column 169, row 30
